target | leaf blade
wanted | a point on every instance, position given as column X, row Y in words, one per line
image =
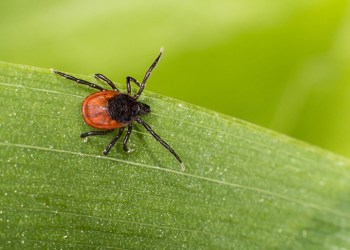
column 244, row 186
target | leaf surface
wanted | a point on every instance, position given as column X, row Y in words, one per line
column 244, row 187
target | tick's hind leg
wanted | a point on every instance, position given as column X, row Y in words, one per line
column 106, row 151
column 77, row 80
column 95, row 133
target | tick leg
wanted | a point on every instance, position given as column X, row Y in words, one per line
column 129, row 80
column 95, row 133
column 148, row 73
column 113, row 142
column 77, row 80
column 106, row 80
column 149, row 129
column 126, row 139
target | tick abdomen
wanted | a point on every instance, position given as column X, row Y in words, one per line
column 95, row 110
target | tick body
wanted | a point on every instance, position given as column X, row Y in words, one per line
column 108, row 110
column 95, row 111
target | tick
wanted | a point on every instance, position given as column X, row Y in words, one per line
column 108, row 110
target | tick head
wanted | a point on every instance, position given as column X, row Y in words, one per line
column 144, row 109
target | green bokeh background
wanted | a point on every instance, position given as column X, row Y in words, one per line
column 282, row 64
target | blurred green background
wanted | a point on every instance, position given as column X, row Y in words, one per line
column 284, row 65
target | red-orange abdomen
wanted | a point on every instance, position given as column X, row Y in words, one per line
column 95, row 110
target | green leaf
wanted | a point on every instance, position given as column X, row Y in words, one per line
column 244, row 187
